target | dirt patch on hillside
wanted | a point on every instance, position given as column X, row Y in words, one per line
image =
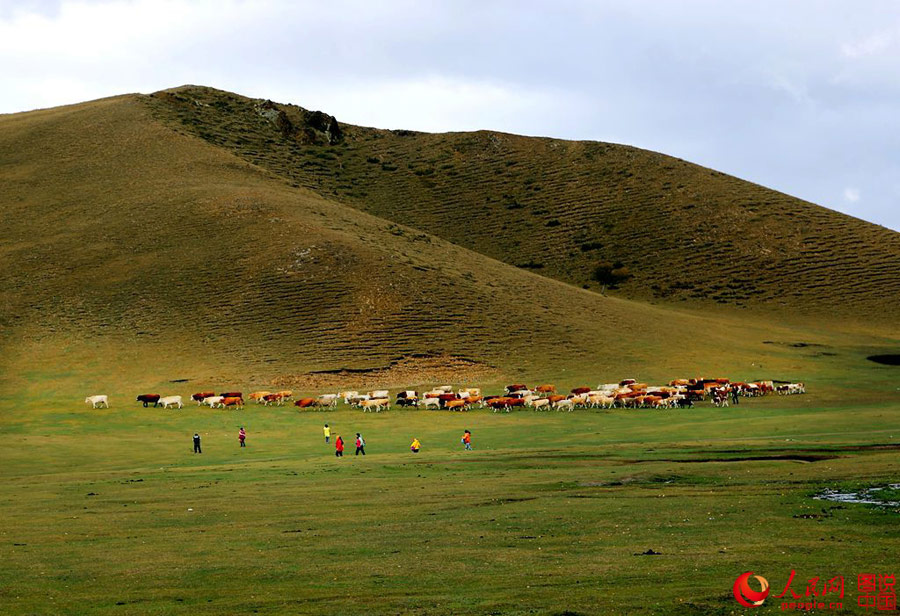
column 409, row 371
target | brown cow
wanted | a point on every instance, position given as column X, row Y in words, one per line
column 470, row 400
column 456, row 405
column 235, row 401
column 580, row 390
column 555, row 398
column 515, row 387
column 277, row 399
column 545, row 389
column 305, row 403
column 232, row 394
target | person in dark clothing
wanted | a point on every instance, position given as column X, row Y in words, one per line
column 242, row 436
column 360, row 444
column 735, row 396
column 197, row 443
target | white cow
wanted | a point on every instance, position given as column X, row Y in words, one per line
column 94, row 401
column 212, row 401
column 567, row 403
column 328, row 399
column 378, row 393
column 171, row 401
column 539, row 403
column 435, row 402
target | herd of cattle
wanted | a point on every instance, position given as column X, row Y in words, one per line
column 628, row 393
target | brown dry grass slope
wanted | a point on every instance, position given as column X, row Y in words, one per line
column 133, row 250
column 683, row 232
column 133, row 253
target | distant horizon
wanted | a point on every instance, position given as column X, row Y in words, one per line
column 796, row 97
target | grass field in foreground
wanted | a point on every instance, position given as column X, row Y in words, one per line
column 109, row 512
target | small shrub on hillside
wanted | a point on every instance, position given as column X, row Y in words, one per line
column 611, row 274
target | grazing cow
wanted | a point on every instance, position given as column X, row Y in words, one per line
column 327, row 399
column 499, row 404
column 469, row 391
column 257, row 396
column 601, row 401
column 456, row 405
column 233, row 394
column 432, row 402
column 445, row 398
column 97, row 400
column 276, row 399
column 378, row 393
column 580, row 390
column 201, row 396
column 470, row 400
column 305, row 403
column 516, row 387
column 149, row 398
column 347, row 395
column 408, row 398
column 545, row 389
column 213, row 401
column 375, row 404
column 538, row 403
column 171, row 401
column 627, row 382
column 235, row 401
column 446, row 389
column 565, row 403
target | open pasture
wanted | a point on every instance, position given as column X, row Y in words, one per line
column 109, row 511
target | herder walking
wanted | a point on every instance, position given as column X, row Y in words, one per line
column 197, row 443
column 360, row 444
column 467, row 440
column 327, row 432
column 339, row 447
column 242, row 436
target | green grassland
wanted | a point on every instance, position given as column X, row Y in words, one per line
column 109, row 511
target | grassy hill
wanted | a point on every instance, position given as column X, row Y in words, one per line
column 133, row 241
column 586, row 213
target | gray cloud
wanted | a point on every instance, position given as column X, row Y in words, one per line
column 799, row 96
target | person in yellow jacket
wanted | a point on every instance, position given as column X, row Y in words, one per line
column 327, row 432
column 416, row 446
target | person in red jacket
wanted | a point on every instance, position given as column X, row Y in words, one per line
column 339, row 447
column 360, row 444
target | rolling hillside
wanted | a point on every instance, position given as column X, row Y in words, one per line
column 135, row 247
column 586, row 213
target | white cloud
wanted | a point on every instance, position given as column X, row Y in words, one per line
column 873, row 44
column 851, row 194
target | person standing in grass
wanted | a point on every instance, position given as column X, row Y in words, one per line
column 327, row 432
column 242, row 436
column 360, row 444
column 467, row 440
column 197, row 443
column 339, row 447
column 416, row 446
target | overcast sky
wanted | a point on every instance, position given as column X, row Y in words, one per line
column 801, row 96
